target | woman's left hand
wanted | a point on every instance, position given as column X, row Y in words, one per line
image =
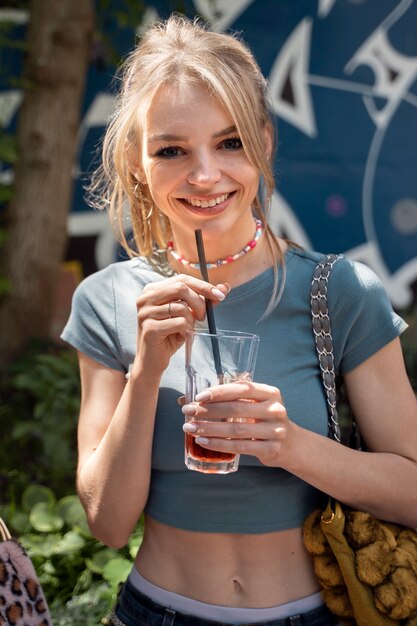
column 257, row 421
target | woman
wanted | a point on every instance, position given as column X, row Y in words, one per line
column 187, row 147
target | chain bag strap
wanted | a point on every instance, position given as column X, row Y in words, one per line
column 323, row 339
column 368, row 579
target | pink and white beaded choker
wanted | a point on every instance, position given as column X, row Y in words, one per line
column 229, row 259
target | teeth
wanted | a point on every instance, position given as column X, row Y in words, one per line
column 205, row 204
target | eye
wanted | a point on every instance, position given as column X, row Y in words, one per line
column 169, row 152
column 232, row 143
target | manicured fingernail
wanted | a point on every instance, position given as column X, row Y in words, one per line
column 202, row 440
column 203, row 395
column 189, row 428
column 189, row 409
column 218, row 294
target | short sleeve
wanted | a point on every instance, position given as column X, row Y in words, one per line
column 91, row 327
column 362, row 318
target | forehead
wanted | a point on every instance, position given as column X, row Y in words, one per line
column 187, row 106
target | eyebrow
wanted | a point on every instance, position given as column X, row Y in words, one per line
column 169, row 137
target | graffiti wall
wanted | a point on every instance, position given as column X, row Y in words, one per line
column 343, row 91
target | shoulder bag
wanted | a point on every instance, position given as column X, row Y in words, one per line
column 367, row 568
column 22, row 601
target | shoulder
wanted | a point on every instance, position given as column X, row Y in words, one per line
column 123, row 276
column 346, row 277
column 353, row 284
column 102, row 322
column 299, row 265
column 303, row 258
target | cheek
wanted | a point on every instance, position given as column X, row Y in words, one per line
column 249, row 175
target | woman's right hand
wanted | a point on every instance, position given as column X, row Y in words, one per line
column 166, row 310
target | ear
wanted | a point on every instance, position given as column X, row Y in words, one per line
column 135, row 166
column 268, row 139
column 138, row 174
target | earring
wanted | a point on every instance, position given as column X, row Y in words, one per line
column 147, row 218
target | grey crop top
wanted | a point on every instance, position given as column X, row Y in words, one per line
column 255, row 499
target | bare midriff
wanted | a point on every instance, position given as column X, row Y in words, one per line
column 248, row 571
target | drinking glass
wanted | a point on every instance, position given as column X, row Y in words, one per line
column 212, row 359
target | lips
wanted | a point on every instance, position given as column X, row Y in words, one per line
column 209, row 203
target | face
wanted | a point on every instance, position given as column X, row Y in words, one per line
column 197, row 171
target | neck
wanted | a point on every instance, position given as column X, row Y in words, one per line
column 239, row 272
column 228, row 259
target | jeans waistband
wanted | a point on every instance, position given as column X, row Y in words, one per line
column 212, row 612
column 136, row 609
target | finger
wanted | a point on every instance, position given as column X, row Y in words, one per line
column 169, row 310
column 163, row 327
column 180, row 309
column 267, row 450
column 239, row 390
column 240, row 411
column 250, row 429
column 188, row 289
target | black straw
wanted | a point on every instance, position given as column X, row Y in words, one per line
column 209, row 305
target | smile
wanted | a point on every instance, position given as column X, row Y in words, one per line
column 204, row 204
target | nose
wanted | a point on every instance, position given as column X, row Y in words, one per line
column 205, row 170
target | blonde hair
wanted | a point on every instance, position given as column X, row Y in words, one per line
column 171, row 51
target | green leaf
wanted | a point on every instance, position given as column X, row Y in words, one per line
column 6, row 193
column 71, row 510
column 70, row 543
column 116, row 571
column 84, row 581
column 83, row 528
column 19, row 522
column 5, row 284
column 40, row 545
column 44, row 518
column 8, row 148
column 22, row 429
column 134, row 544
column 34, row 494
column 99, row 560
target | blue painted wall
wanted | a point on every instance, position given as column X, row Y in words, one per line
column 343, row 90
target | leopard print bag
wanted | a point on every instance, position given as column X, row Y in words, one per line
column 22, row 601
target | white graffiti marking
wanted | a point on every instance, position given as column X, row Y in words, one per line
column 10, row 102
column 325, row 6
column 394, row 74
column 289, row 86
column 221, row 13
column 95, row 223
column 284, row 222
column 14, row 16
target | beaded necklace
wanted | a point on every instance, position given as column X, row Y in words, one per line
column 229, row 259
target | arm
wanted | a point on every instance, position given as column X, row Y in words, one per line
column 114, row 448
column 117, row 418
column 382, row 481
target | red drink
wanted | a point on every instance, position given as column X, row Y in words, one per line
column 196, row 451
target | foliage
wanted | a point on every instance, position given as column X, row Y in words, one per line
column 79, row 575
column 8, row 147
column 38, row 416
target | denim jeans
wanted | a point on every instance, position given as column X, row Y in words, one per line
column 135, row 609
